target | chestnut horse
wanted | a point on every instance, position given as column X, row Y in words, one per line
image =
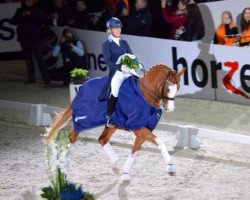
column 158, row 86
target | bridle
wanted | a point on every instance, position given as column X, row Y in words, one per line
column 163, row 85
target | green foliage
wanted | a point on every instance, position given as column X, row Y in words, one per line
column 129, row 62
column 60, row 188
column 79, row 73
column 89, row 196
column 49, row 193
column 62, row 141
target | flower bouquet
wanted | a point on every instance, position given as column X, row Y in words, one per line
column 130, row 64
column 78, row 75
column 129, row 60
column 57, row 161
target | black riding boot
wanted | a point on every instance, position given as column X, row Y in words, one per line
column 110, row 108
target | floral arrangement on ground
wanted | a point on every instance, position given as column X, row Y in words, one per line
column 57, row 151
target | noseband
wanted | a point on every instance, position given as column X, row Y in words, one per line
column 163, row 85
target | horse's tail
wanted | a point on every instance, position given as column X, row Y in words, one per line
column 59, row 122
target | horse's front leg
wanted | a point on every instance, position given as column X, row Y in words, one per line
column 149, row 136
column 164, row 152
column 104, row 141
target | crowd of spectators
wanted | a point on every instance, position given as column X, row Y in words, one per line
column 170, row 19
column 139, row 17
column 228, row 34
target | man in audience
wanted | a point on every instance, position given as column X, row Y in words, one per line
column 72, row 54
column 61, row 14
column 140, row 21
column 81, row 18
column 30, row 21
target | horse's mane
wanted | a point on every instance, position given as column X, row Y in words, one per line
column 156, row 67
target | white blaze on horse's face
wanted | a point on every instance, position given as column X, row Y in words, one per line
column 171, row 94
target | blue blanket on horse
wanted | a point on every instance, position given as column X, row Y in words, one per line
column 132, row 111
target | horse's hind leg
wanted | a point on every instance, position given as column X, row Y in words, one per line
column 72, row 136
column 104, row 141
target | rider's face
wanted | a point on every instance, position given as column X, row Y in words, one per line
column 116, row 32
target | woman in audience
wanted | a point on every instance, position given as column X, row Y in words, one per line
column 194, row 28
column 226, row 32
column 177, row 18
column 245, row 27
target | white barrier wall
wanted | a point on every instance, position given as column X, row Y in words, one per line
column 214, row 72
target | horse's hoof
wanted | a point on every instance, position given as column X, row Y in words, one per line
column 116, row 170
column 171, row 169
column 72, row 137
column 125, row 177
column 172, row 173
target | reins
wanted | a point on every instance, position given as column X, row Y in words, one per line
column 163, row 85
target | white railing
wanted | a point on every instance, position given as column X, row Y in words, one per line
column 186, row 136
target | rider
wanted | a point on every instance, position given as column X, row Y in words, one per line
column 112, row 49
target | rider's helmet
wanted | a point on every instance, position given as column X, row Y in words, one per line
column 113, row 22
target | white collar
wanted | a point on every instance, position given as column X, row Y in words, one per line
column 116, row 40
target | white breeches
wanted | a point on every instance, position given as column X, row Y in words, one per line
column 117, row 81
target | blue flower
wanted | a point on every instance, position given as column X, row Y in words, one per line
column 71, row 192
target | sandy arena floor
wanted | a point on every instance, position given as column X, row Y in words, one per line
column 217, row 171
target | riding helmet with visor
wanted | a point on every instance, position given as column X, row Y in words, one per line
column 113, row 22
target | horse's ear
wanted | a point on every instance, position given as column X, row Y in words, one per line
column 181, row 72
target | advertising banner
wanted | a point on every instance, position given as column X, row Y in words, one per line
column 214, row 72
column 8, row 40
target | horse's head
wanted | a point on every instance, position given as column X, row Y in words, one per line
column 161, row 85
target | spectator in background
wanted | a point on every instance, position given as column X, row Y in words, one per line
column 61, row 14
column 95, row 6
column 177, row 18
column 81, row 18
column 72, row 54
column 119, row 6
column 226, row 32
column 140, row 21
column 194, row 28
column 245, row 27
column 30, row 21
column 99, row 18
